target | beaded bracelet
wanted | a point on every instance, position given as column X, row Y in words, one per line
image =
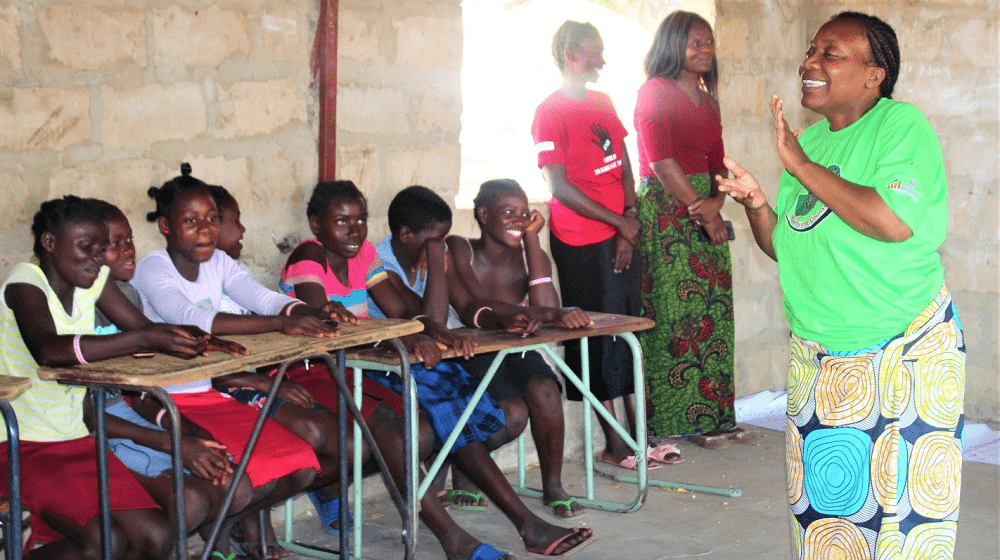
column 76, row 349
column 542, row 280
column 475, row 318
column 159, row 417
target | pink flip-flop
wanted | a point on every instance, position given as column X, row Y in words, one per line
column 629, row 462
column 548, row 551
column 667, row 454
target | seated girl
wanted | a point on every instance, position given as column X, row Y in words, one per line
column 47, row 319
column 184, row 283
column 341, row 265
column 143, row 446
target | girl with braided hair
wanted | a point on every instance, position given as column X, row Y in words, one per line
column 876, row 378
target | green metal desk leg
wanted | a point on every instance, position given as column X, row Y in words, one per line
column 581, row 382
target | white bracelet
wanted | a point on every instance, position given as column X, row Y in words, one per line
column 159, row 417
column 288, row 310
column 542, row 280
column 76, row 349
column 418, row 317
column 475, row 318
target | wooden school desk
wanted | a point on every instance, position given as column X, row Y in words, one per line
column 153, row 374
column 502, row 342
column 11, row 387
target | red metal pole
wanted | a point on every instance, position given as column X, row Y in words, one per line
column 326, row 44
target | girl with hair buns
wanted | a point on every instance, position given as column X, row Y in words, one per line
column 877, row 372
column 686, row 268
column 592, row 224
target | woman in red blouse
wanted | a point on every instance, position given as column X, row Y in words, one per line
column 686, row 277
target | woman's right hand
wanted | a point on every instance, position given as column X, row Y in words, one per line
column 207, row 459
column 742, row 187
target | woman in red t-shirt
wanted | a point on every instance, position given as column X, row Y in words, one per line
column 686, row 268
column 593, row 226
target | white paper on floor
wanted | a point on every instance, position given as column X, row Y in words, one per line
column 767, row 410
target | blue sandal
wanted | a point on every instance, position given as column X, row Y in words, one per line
column 329, row 513
column 487, row 552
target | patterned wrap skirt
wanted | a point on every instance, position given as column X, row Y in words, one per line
column 687, row 288
column 873, row 443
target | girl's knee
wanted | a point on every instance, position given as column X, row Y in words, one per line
column 544, row 392
column 516, row 413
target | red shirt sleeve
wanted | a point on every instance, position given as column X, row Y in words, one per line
column 652, row 120
column 549, row 134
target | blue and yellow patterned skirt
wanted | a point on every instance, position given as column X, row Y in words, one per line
column 873, row 443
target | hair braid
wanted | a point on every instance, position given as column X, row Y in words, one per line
column 882, row 44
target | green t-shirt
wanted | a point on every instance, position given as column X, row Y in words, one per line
column 843, row 289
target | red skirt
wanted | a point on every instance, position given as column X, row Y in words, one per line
column 61, row 478
column 319, row 381
column 278, row 452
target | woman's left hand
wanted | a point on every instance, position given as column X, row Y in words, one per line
column 705, row 209
column 623, row 254
column 792, row 155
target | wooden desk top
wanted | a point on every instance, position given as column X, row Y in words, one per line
column 11, row 386
column 492, row 340
column 270, row 348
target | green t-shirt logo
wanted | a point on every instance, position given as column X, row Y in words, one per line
column 807, row 213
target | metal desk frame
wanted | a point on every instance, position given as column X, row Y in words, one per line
column 89, row 375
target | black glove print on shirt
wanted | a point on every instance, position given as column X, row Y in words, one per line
column 603, row 140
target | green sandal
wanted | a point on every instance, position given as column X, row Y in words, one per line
column 477, row 496
column 568, row 504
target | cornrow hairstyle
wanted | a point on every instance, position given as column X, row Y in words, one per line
column 491, row 191
column 54, row 215
column 418, row 208
column 164, row 196
column 882, row 46
column 326, row 191
column 570, row 35
column 668, row 54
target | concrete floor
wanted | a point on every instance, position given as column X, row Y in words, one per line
column 675, row 524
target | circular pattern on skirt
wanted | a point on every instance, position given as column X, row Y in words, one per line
column 793, row 460
column 800, row 377
column 894, row 380
column 940, row 388
column 845, row 390
column 832, row 537
column 889, row 544
column 836, row 470
column 888, row 468
column 931, row 541
column 935, row 475
column 942, row 337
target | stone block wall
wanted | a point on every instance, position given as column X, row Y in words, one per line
column 104, row 98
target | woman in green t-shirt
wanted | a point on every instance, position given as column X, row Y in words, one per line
column 877, row 371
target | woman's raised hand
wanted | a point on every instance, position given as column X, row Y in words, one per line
column 742, row 187
column 789, row 149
